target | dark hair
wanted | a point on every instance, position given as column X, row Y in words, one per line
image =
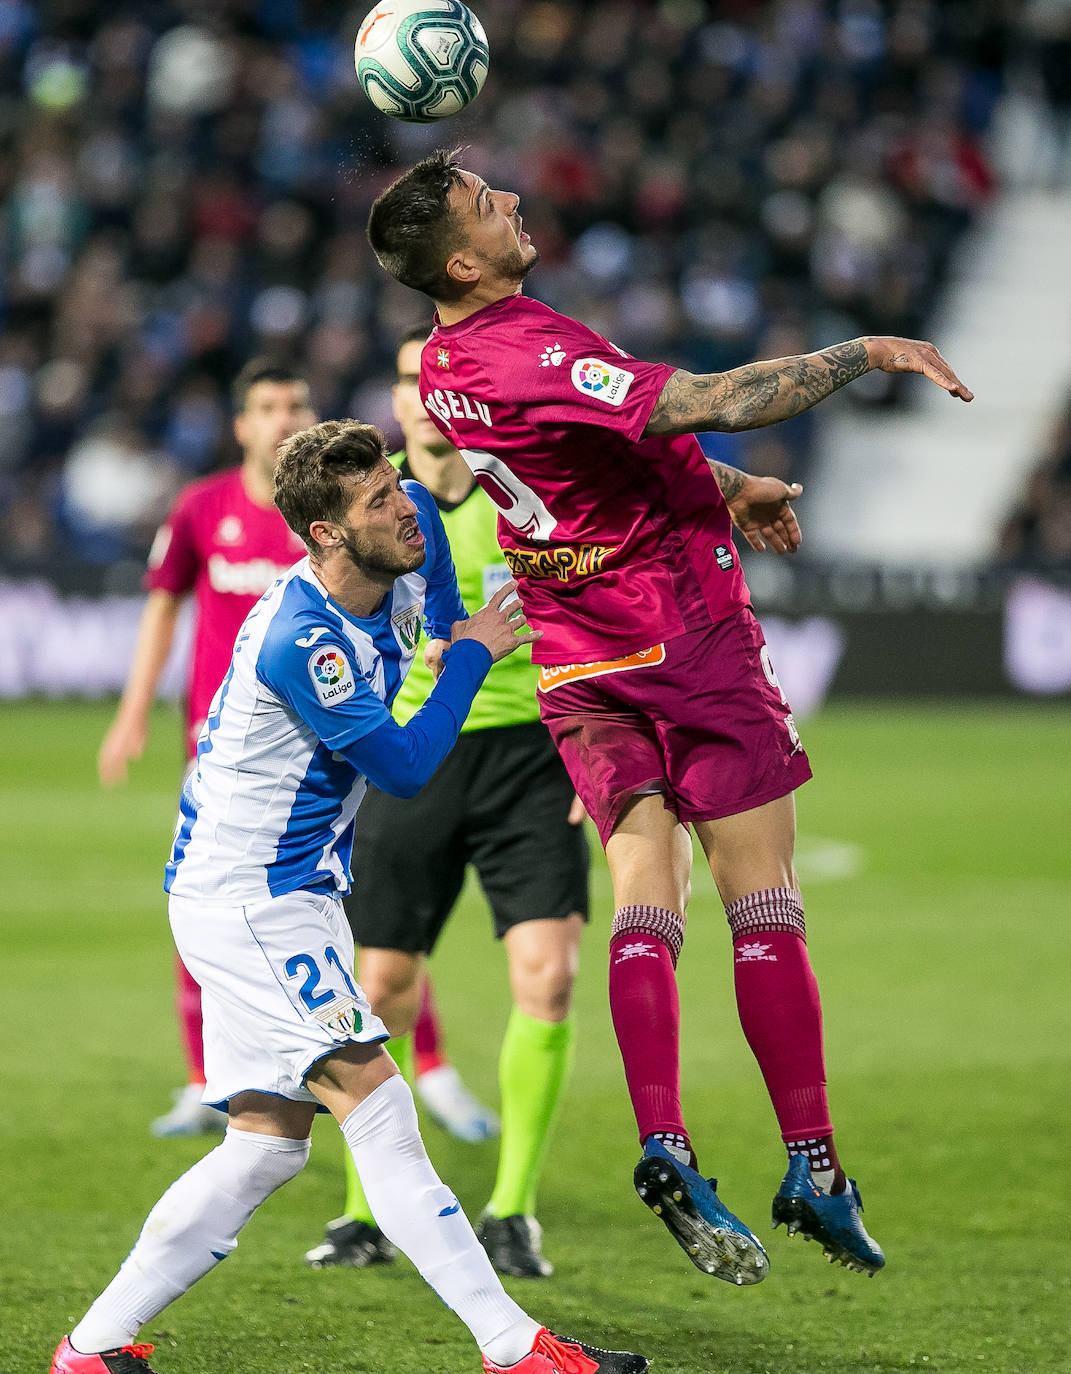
column 315, row 468
column 418, row 334
column 261, row 370
column 412, row 228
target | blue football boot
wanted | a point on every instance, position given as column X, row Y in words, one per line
column 832, row 1221
column 713, row 1239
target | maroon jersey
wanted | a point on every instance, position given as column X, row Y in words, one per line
column 227, row 550
column 617, row 541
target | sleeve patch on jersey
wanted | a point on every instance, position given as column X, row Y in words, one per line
column 608, row 384
column 332, row 676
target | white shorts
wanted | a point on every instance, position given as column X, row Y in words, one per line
column 278, row 990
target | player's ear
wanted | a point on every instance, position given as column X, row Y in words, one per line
column 462, row 269
column 240, row 428
column 325, row 535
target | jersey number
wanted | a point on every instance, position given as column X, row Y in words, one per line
column 517, row 503
column 307, row 992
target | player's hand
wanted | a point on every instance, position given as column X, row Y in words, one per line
column 915, row 355
column 577, row 811
column 123, row 742
column 433, row 655
column 761, row 511
column 498, row 627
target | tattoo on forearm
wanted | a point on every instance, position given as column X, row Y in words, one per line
column 756, row 395
column 730, row 480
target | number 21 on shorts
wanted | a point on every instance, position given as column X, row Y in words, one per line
column 328, row 1005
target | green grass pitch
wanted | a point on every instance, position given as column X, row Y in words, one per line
column 936, row 864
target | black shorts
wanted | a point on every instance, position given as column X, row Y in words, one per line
column 499, row 801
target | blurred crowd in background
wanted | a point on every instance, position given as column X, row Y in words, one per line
column 185, row 183
column 1037, row 535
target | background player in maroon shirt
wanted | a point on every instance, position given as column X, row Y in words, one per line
column 225, row 542
column 657, row 684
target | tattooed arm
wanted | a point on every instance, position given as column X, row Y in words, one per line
column 764, row 393
column 759, row 507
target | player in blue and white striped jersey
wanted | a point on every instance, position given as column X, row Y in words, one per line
column 309, row 690
column 297, row 729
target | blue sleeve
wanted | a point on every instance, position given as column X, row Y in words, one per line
column 400, row 759
column 442, row 600
column 321, row 687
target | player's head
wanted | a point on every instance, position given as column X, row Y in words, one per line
column 440, row 229
column 337, row 489
column 271, row 402
column 418, row 432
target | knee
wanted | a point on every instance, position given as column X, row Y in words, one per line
column 393, row 991
column 543, row 983
column 265, row 1162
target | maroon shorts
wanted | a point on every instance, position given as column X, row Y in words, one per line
column 700, row 719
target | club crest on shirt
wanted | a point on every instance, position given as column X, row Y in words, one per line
column 229, row 530
column 407, row 627
column 607, row 384
column 332, row 676
column 341, row 1016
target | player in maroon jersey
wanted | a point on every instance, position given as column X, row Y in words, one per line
column 225, row 542
column 656, row 685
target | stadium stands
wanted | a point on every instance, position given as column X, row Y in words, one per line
column 186, row 183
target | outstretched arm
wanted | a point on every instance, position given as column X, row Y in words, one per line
column 763, row 393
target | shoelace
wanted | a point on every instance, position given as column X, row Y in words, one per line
column 139, row 1358
column 567, row 1357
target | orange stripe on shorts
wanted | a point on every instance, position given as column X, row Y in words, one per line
column 553, row 675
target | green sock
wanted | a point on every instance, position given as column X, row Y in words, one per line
column 400, row 1049
column 533, row 1069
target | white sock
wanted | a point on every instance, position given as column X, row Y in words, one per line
column 415, row 1210
column 193, row 1226
column 513, row 1344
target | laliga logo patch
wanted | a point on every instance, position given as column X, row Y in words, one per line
column 607, row 384
column 331, row 676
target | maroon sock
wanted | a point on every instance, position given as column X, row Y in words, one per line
column 780, row 1011
column 188, row 1006
column 645, row 942
column 429, row 1051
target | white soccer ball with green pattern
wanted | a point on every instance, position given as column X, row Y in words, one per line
column 421, row 60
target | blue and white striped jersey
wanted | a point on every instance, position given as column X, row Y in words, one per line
column 268, row 807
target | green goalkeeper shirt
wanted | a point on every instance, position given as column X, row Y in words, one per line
column 508, row 696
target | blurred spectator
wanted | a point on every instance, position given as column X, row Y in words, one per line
column 1047, row 28
column 186, row 184
column 115, row 491
column 1037, row 535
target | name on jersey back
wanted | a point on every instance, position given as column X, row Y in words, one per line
column 455, row 405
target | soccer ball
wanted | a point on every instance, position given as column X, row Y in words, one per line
column 421, row 60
